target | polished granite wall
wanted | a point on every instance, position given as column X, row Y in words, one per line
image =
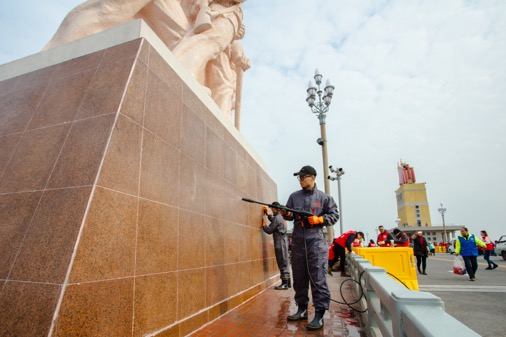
column 120, row 202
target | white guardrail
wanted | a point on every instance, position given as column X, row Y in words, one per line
column 395, row 311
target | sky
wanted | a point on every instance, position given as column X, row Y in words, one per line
column 419, row 81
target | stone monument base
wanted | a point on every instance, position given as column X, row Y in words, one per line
column 120, row 195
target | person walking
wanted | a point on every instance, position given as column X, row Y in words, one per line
column 401, row 238
column 466, row 245
column 277, row 228
column 420, row 251
column 309, row 247
column 488, row 250
column 384, row 238
column 432, row 249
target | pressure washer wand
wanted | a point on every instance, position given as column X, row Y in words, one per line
column 296, row 211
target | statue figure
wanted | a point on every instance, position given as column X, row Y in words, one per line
column 201, row 33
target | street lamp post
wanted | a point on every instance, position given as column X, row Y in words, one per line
column 338, row 172
column 320, row 107
column 442, row 210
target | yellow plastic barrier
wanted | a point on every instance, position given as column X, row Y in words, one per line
column 398, row 261
column 440, row 249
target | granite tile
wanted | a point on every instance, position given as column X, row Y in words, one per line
column 47, row 249
column 144, row 51
column 173, row 331
column 191, row 292
column 193, row 143
column 106, row 89
column 163, row 111
column 8, row 86
column 7, row 146
column 135, row 98
column 107, row 245
column 27, row 308
column 192, row 227
column 230, row 164
column 193, row 323
column 233, row 280
column 216, row 288
column 33, row 160
column 97, row 309
column 40, row 77
column 215, row 242
column 78, row 65
column 215, row 195
column 159, row 171
column 157, row 237
column 121, row 167
column 127, row 50
column 61, row 100
column 243, row 177
column 193, row 184
column 16, row 212
column 215, row 157
column 158, row 66
column 155, row 302
column 17, row 108
column 82, row 154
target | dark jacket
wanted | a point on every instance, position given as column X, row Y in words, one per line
column 420, row 246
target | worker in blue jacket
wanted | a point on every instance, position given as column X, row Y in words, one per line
column 466, row 245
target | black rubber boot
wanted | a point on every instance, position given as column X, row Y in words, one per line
column 282, row 286
column 289, row 283
column 317, row 322
column 299, row 315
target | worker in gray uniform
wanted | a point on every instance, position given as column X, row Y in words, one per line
column 309, row 247
column 277, row 228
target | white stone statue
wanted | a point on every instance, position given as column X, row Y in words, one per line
column 201, row 33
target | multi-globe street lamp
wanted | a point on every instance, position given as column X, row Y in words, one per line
column 442, row 210
column 338, row 172
column 319, row 105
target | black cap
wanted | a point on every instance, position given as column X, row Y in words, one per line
column 275, row 203
column 397, row 231
column 305, row 171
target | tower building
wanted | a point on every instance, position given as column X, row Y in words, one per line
column 412, row 204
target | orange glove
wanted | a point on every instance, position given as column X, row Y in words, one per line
column 315, row 220
column 265, row 209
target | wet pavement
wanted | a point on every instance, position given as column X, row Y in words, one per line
column 265, row 315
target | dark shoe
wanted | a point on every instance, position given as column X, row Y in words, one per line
column 495, row 266
column 299, row 315
column 289, row 283
column 329, row 271
column 488, row 268
column 419, row 272
column 317, row 322
column 424, row 273
column 343, row 274
column 282, row 286
column 472, row 279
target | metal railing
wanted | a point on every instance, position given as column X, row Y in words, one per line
column 394, row 311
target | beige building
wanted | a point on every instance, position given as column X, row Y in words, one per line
column 412, row 205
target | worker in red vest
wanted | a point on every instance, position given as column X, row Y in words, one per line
column 401, row 238
column 342, row 243
column 384, row 238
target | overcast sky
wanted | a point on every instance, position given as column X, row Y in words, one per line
column 422, row 81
